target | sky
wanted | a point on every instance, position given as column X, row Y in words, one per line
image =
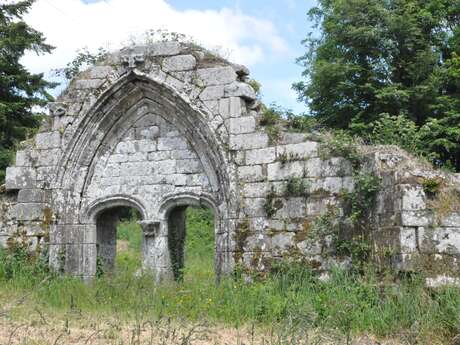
column 264, row 35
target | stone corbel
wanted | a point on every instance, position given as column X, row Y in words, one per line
column 150, row 228
column 57, row 108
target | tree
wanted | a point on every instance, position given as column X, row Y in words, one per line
column 20, row 90
column 376, row 58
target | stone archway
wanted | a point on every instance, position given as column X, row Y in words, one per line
column 172, row 213
column 144, row 141
column 102, row 218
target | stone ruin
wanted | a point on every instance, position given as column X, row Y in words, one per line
column 169, row 125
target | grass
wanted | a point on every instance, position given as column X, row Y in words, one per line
column 292, row 295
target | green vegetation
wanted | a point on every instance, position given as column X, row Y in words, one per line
column 82, row 60
column 351, row 303
column 387, row 71
column 296, row 186
column 291, row 296
column 20, row 90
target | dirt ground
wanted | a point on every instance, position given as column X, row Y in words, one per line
column 39, row 329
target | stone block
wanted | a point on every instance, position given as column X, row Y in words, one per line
column 254, row 207
column 173, row 143
column 336, row 166
column 49, row 157
column 332, row 184
column 240, row 89
column 260, row 156
column 48, row 140
column 29, row 211
column 251, row 173
column 237, row 107
column 282, row 241
column 188, row 166
column 248, row 141
column 20, row 177
column 179, row 63
column 416, row 218
column 149, row 133
column 292, row 208
column 212, row 93
column 408, row 240
column 31, row 195
column 240, row 125
column 313, row 167
column 256, row 190
column 165, row 48
column 183, row 154
column 278, row 171
column 165, row 167
column 137, row 157
column 300, row 150
column 23, row 158
column 413, row 198
column 216, row 75
column 160, row 155
column 451, row 220
column 212, row 105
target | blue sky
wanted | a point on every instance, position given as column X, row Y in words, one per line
column 264, row 35
column 276, row 73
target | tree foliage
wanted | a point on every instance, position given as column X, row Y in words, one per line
column 20, row 90
column 387, row 62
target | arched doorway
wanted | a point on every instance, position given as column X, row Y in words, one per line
column 192, row 228
column 191, row 242
column 118, row 236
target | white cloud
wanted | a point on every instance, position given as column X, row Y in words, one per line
column 70, row 25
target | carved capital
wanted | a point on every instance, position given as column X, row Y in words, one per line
column 150, row 228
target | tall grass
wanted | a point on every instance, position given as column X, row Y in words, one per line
column 292, row 295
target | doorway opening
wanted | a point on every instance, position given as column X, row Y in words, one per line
column 191, row 242
column 118, row 240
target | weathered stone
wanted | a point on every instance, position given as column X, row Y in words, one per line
column 451, row 220
column 29, row 211
column 239, row 89
column 298, row 151
column 251, row 173
column 413, row 198
column 165, row 48
column 240, row 125
column 179, row 63
column 416, row 218
column 48, row 140
column 280, row 171
column 216, row 75
column 240, row 70
column 261, row 156
column 31, row 195
column 248, row 141
column 20, row 177
column 171, row 144
column 212, row 93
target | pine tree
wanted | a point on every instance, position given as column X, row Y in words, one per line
column 20, row 90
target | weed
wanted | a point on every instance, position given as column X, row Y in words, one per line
column 341, row 144
column 272, row 204
column 296, row 187
column 431, row 186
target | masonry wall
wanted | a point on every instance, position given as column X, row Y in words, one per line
column 170, row 125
